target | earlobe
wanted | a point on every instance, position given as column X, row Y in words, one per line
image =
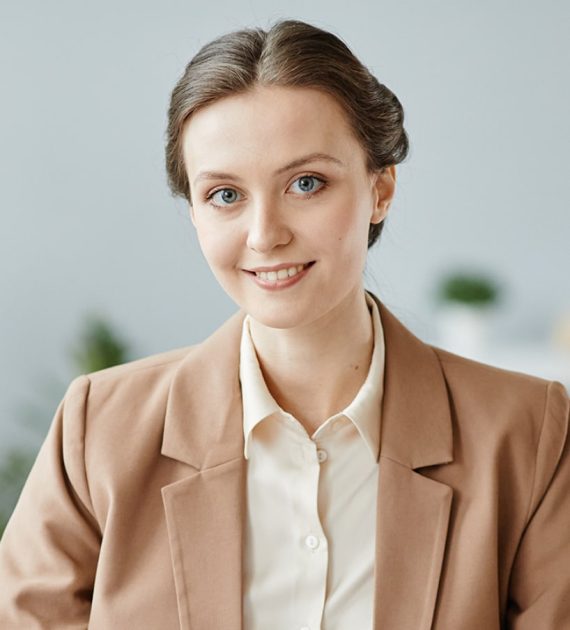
column 384, row 189
column 192, row 218
column 380, row 211
column 379, row 214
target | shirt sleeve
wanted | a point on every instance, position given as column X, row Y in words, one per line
column 539, row 588
column 50, row 547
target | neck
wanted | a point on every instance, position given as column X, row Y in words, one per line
column 315, row 371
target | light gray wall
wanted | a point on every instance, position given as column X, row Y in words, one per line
column 88, row 223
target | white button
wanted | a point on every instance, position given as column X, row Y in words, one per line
column 322, row 455
column 312, row 542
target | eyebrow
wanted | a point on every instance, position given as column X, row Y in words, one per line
column 312, row 157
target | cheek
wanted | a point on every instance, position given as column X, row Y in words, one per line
column 218, row 245
column 346, row 228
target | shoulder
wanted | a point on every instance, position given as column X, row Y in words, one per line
column 113, row 422
column 492, row 387
column 138, row 377
column 108, row 404
column 505, row 409
column 149, row 367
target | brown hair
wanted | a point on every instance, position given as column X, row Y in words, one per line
column 291, row 54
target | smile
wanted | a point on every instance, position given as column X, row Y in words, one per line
column 280, row 279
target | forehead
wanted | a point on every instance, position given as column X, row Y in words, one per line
column 269, row 125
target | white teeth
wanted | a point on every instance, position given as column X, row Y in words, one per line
column 274, row 276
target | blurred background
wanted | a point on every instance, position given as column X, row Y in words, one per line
column 100, row 265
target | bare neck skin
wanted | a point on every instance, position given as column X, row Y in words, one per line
column 315, row 371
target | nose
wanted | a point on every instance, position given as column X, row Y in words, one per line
column 267, row 226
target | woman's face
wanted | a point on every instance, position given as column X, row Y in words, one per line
column 259, row 199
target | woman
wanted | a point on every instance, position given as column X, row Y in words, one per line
column 311, row 464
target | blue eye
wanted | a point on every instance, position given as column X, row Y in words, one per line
column 308, row 178
column 224, row 197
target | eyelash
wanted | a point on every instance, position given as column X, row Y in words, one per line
column 324, row 184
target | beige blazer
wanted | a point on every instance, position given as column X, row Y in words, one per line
column 133, row 514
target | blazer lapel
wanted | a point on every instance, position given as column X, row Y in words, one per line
column 205, row 508
column 204, row 518
column 412, row 510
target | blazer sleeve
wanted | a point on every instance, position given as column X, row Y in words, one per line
column 539, row 591
column 50, row 547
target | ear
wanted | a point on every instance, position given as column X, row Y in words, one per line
column 384, row 187
column 192, row 217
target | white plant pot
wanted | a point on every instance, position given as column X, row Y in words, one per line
column 464, row 329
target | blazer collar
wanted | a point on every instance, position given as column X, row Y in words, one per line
column 205, row 394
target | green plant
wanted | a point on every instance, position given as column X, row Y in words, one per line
column 98, row 347
column 468, row 288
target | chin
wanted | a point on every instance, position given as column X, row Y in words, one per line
column 275, row 316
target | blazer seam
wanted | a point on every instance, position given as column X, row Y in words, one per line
column 224, row 463
column 90, row 506
column 529, row 509
column 533, row 504
column 396, row 461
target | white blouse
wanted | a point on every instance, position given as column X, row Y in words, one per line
column 311, row 505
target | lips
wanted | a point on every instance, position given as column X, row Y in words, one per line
column 277, row 268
